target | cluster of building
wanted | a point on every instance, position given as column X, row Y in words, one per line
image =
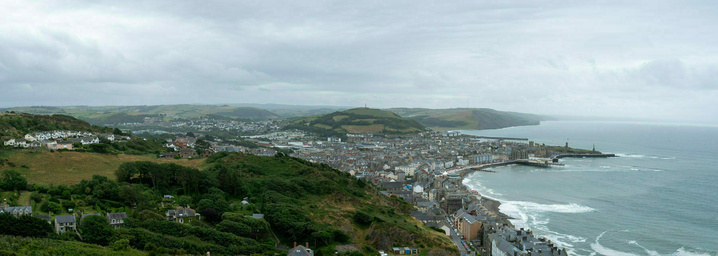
column 185, row 147
column 63, row 223
column 54, row 140
column 205, row 123
column 426, row 170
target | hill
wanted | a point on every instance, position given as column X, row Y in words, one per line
column 301, row 202
column 104, row 115
column 309, row 202
column 15, row 125
column 289, row 111
column 356, row 120
column 467, row 118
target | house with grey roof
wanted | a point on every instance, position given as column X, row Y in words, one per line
column 301, row 251
column 44, row 217
column 116, row 219
column 64, row 223
column 16, row 211
column 182, row 215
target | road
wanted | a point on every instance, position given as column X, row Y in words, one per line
column 456, row 239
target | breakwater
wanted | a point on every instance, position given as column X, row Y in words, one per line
column 580, row 155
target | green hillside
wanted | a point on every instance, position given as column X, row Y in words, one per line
column 467, row 118
column 356, row 120
column 15, row 125
column 302, row 202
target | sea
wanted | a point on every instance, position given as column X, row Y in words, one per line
column 658, row 197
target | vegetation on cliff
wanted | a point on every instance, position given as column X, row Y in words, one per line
column 301, row 201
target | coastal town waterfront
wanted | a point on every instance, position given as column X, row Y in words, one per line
column 657, row 198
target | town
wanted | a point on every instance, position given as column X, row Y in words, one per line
column 424, row 169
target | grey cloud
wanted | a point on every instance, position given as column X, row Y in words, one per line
column 548, row 57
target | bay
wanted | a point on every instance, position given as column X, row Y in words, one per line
column 660, row 197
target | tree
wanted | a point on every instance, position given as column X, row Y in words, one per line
column 37, row 197
column 117, row 131
column 50, row 207
column 202, row 145
column 13, row 180
column 95, row 229
column 184, row 200
column 68, row 204
column 25, row 225
column 362, row 218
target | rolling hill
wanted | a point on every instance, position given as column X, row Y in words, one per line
column 103, row 115
column 356, row 120
column 467, row 118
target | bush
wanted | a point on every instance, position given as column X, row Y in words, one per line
column 95, row 229
column 50, row 207
column 362, row 218
column 12, row 180
column 25, row 225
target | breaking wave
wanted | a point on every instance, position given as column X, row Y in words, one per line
column 602, row 250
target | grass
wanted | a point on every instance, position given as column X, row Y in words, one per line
column 68, row 168
column 24, row 198
column 371, row 112
column 376, row 128
column 339, row 118
column 323, row 126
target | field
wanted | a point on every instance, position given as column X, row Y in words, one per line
column 376, row 128
column 67, row 168
column 371, row 112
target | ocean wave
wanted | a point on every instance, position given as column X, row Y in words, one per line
column 600, row 249
column 533, row 216
column 630, row 155
column 559, row 208
column 662, row 158
column 483, row 190
column 680, row 252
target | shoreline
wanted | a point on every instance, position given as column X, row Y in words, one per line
column 491, row 205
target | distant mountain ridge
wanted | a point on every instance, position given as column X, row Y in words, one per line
column 468, row 118
column 439, row 119
column 103, row 115
column 356, row 120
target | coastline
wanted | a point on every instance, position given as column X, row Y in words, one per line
column 491, row 205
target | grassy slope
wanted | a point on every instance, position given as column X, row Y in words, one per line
column 67, row 168
column 337, row 208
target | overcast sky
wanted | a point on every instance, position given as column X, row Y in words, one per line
column 644, row 59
